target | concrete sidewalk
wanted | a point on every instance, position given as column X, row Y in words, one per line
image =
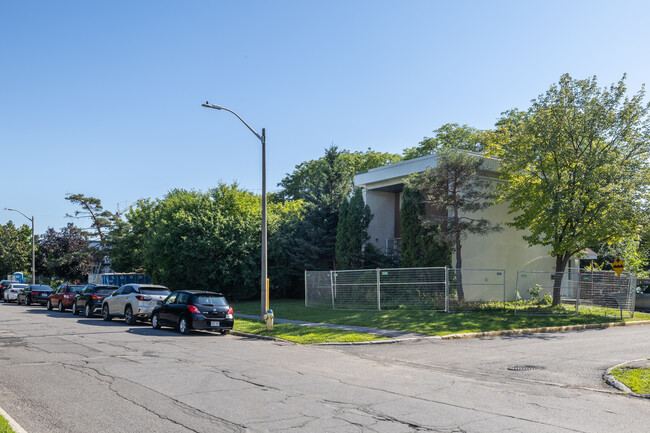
column 388, row 333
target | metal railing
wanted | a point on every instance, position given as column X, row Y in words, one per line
column 605, row 290
column 435, row 289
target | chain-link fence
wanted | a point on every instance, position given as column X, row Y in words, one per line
column 435, row 289
column 605, row 290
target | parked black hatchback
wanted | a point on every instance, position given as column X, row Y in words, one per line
column 193, row 309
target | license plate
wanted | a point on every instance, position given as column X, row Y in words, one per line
column 213, row 323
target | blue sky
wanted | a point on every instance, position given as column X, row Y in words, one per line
column 104, row 98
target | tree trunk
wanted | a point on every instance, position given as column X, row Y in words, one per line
column 560, row 265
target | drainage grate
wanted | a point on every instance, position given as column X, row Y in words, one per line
column 525, row 367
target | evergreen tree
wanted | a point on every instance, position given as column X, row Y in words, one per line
column 352, row 232
column 421, row 246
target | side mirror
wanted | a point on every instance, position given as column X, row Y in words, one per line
column 159, row 302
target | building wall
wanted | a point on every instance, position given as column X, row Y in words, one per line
column 503, row 250
column 382, row 225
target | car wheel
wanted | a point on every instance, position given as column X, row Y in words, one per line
column 60, row 307
column 17, row 301
column 155, row 321
column 88, row 311
column 183, row 326
column 105, row 314
column 28, row 302
column 225, row 331
column 128, row 316
column 49, row 305
column 74, row 308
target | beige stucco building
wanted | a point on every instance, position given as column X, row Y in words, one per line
column 502, row 250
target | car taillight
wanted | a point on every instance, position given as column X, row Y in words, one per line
column 193, row 309
column 99, row 298
column 230, row 313
column 142, row 298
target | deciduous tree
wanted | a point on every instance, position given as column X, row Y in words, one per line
column 577, row 166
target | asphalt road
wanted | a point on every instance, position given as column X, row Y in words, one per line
column 60, row 373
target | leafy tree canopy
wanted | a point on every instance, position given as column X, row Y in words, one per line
column 449, row 136
column 15, row 248
column 577, row 166
column 308, row 177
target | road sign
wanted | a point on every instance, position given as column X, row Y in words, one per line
column 618, row 266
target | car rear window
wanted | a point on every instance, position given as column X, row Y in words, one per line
column 210, row 300
column 104, row 291
column 75, row 289
column 41, row 288
column 146, row 291
column 19, row 286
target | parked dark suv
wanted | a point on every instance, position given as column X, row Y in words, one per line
column 193, row 309
column 89, row 300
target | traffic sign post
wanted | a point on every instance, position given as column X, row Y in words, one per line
column 618, row 267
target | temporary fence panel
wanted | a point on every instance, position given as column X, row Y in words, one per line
column 423, row 288
column 579, row 287
column 477, row 286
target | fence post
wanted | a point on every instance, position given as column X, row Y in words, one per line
column 504, row 290
column 332, row 287
column 446, row 289
column 378, row 290
column 516, row 292
column 306, row 288
column 578, row 293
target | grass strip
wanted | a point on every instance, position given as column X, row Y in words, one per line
column 4, row 426
column 637, row 379
column 435, row 323
column 302, row 334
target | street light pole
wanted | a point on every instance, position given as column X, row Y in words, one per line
column 262, row 138
column 33, row 249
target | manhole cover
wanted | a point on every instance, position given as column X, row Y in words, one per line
column 525, row 367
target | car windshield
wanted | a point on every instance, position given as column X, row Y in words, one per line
column 150, row 291
column 76, row 289
column 104, row 292
column 210, row 300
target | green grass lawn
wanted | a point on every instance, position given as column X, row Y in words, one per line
column 302, row 334
column 637, row 379
column 432, row 323
column 4, row 426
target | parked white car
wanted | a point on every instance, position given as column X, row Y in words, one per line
column 133, row 302
column 11, row 292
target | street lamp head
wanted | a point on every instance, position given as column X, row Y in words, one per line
column 208, row 105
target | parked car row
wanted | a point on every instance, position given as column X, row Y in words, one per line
column 183, row 309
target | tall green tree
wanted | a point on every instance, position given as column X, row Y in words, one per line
column 421, row 243
column 308, row 177
column 577, row 166
column 65, row 254
column 449, row 136
column 15, row 248
column 456, row 192
column 91, row 208
column 210, row 240
column 352, row 232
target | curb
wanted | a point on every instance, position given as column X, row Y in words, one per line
column 542, row 330
column 504, row 333
column 612, row 381
column 12, row 422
